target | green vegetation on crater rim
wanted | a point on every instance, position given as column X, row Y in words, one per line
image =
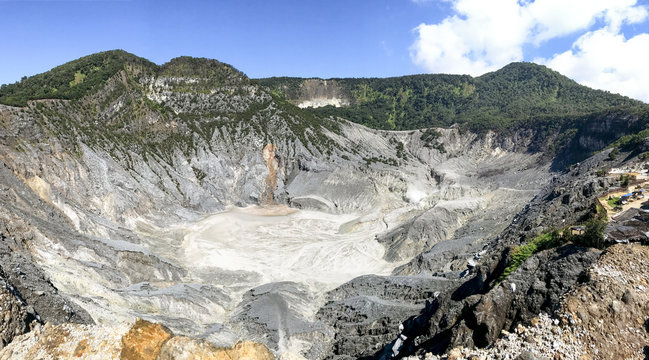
column 511, row 96
column 119, row 101
column 83, row 76
column 518, row 96
column 71, row 80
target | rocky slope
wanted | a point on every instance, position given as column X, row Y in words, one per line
column 603, row 318
column 109, row 196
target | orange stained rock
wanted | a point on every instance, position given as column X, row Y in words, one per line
column 81, row 349
column 144, row 340
column 268, row 154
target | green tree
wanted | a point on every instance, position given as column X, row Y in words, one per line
column 594, row 233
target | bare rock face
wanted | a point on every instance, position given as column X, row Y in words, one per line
column 67, row 341
column 27, row 298
column 141, row 341
column 536, row 286
column 14, row 318
column 316, row 93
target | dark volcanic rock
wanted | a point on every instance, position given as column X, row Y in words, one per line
column 534, row 287
column 31, row 290
column 276, row 310
column 368, row 311
column 15, row 319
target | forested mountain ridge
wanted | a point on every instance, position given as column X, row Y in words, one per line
column 502, row 99
column 115, row 97
column 506, row 98
column 82, row 76
column 518, row 97
column 71, row 80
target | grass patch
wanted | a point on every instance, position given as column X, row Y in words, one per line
column 593, row 236
column 521, row 253
column 78, row 78
column 613, row 201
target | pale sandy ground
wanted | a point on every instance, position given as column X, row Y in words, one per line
column 284, row 244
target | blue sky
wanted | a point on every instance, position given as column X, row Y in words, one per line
column 261, row 38
column 335, row 38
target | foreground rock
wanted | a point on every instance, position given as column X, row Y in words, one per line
column 141, row 341
column 612, row 309
column 605, row 318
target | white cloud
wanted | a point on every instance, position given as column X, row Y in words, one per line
column 555, row 18
column 475, row 40
column 483, row 36
column 605, row 59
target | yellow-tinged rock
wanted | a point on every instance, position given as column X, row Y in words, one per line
column 535, row 321
column 248, row 350
column 143, row 341
column 81, row 349
column 67, row 341
column 184, row 348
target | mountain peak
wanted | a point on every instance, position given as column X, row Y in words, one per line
column 520, row 71
column 71, row 80
column 214, row 70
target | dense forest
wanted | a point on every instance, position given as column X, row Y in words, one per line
column 211, row 72
column 71, row 80
column 80, row 77
column 513, row 95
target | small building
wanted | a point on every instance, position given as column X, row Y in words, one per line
column 627, row 198
column 639, row 194
column 577, row 230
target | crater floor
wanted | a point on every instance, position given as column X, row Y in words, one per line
column 279, row 243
